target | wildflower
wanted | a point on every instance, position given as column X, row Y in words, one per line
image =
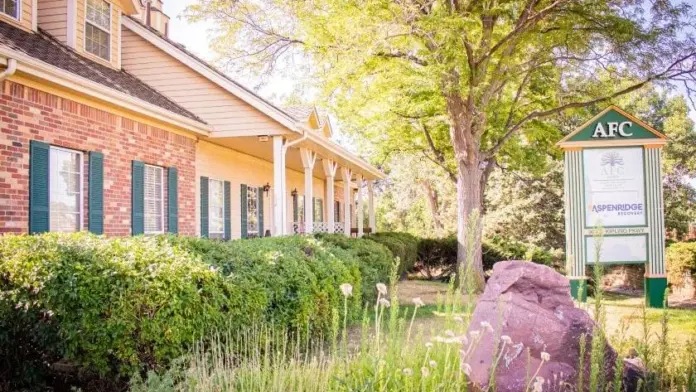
column 382, row 288
column 439, row 339
column 428, row 345
column 506, row 339
column 418, row 302
column 486, row 326
column 407, row 371
column 432, row 363
column 458, row 319
column 347, row 289
column 384, row 302
column 545, row 356
column 463, row 340
column 475, row 334
column 538, row 384
column 466, row 368
column 450, row 333
column 213, row 268
column 425, row 372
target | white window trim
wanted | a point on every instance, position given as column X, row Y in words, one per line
column 18, row 18
column 82, row 183
column 160, row 168
column 84, row 38
column 224, row 208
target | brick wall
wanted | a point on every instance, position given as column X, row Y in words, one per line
column 628, row 276
column 28, row 114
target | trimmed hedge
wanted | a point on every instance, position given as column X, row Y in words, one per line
column 402, row 245
column 119, row 305
column 680, row 260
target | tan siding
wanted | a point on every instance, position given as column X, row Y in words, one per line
column 25, row 15
column 218, row 107
column 222, row 163
column 53, row 17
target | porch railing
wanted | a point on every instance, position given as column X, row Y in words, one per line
column 319, row 227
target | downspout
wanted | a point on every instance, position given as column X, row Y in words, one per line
column 10, row 70
column 283, row 153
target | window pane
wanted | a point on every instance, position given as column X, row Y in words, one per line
column 9, row 7
column 252, row 211
column 65, row 180
column 216, row 210
column 97, row 41
column 154, row 201
column 98, row 13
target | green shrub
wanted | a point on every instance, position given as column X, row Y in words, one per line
column 681, row 260
column 375, row 260
column 402, row 245
column 109, row 305
column 437, row 256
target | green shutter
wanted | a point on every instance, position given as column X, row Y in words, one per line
column 39, row 187
column 337, row 211
column 204, row 207
column 295, row 210
column 95, row 223
column 172, row 200
column 259, row 199
column 228, row 211
column 138, row 198
column 243, row 210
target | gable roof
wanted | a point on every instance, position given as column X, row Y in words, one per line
column 201, row 66
column 43, row 47
column 641, row 132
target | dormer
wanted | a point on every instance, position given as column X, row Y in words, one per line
column 19, row 13
column 151, row 14
column 312, row 119
column 91, row 27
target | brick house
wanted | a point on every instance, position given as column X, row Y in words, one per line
column 109, row 126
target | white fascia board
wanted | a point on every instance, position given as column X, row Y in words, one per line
column 252, row 99
column 47, row 72
column 334, row 148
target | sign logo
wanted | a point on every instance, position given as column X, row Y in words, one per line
column 612, row 163
column 612, row 129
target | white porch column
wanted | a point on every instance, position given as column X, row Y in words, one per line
column 330, row 172
column 346, row 174
column 308, row 160
column 371, row 205
column 361, row 215
column 278, row 186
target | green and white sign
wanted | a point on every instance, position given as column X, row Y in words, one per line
column 613, row 182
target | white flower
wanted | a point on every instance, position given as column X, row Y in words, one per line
column 486, row 326
column 428, row 345
column 418, row 302
column 538, row 384
column 382, row 288
column 545, row 356
column 463, row 340
column 439, row 339
column 213, row 268
column 475, row 334
column 425, row 372
column 506, row 339
column 450, row 333
column 466, row 368
column 384, row 302
column 432, row 363
column 407, row 371
column 347, row 289
column 458, row 319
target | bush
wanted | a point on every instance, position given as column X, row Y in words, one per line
column 681, row 260
column 402, row 245
column 122, row 305
column 112, row 306
column 437, row 256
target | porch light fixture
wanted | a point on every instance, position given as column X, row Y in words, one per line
column 263, row 138
column 294, row 193
column 266, row 188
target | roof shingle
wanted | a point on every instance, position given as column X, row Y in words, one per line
column 42, row 46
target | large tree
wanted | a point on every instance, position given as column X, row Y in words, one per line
column 472, row 80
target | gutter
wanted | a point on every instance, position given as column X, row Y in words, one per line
column 10, row 70
column 93, row 89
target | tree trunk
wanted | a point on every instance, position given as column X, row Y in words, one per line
column 434, row 205
column 469, row 256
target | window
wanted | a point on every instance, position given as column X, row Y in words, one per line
column 216, row 209
column 300, row 208
column 65, row 190
column 10, row 7
column 337, row 211
column 98, row 28
column 318, row 210
column 154, row 199
column 252, row 212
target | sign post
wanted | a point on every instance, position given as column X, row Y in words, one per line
column 613, row 181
